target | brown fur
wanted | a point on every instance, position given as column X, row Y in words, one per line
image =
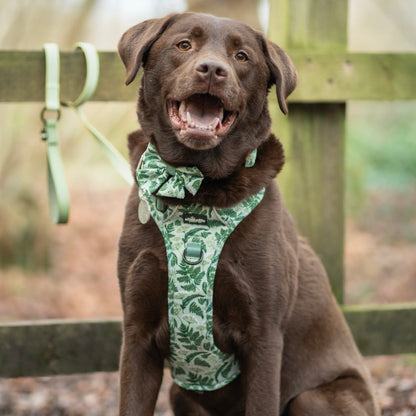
column 273, row 305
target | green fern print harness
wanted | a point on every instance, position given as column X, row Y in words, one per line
column 194, row 237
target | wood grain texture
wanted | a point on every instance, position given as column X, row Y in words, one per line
column 51, row 347
column 22, row 77
column 312, row 181
column 38, row 348
column 323, row 77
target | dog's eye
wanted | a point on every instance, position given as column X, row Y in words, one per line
column 241, row 57
column 184, row 45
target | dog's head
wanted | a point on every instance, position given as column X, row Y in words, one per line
column 204, row 87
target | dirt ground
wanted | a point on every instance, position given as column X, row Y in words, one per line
column 82, row 284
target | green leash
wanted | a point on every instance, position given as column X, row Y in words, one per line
column 91, row 80
column 58, row 190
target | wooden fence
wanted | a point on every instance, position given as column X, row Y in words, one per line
column 314, row 32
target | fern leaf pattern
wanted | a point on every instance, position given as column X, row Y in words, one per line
column 196, row 363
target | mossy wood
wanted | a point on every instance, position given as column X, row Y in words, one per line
column 22, row 77
column 324, row 76
column 312, row 181
column 40, row 348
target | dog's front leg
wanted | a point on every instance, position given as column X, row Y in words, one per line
column 141, row 372
column 141, row 361
column 262, row 376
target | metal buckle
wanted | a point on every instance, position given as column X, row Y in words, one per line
column 47, row 114
column 193, row 253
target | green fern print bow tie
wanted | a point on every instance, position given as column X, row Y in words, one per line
column 153, row 174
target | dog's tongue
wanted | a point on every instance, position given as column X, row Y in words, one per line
column 202, row 110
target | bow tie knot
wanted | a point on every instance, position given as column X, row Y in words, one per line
column 153, row 174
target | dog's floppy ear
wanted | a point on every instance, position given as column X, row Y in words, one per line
column 137, row 41
column 282, row 71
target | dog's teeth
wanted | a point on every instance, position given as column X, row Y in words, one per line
column 215, row 124
column 188, row 118
column 221, row 115
column 182, row 108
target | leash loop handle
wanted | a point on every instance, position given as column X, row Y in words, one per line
column 58, row 190
column 91, row 77
column 91, row 80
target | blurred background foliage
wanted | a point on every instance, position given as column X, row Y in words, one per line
column 381, row 136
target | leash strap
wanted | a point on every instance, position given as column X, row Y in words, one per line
column 58, row 190
column 91, row 81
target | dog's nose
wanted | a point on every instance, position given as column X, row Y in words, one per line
column 208, row 68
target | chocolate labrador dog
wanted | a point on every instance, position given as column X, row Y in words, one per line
column 272, row 338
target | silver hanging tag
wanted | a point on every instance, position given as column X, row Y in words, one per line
column 143, row 212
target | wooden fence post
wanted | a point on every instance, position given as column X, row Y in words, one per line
column 312, row 181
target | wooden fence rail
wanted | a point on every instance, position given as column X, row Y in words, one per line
column 51, row 347
column 324, row 77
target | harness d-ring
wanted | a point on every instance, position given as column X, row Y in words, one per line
column 193, row 253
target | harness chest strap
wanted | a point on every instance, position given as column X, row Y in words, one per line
column 194, row 237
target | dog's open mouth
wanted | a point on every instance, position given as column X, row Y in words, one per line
column 200, row 119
